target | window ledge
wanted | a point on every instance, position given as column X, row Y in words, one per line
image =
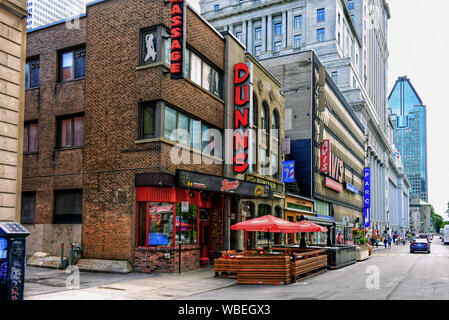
column 67, row 81
column 152, row 65
column 30, row 153
column 68, row 148
column 33, row 88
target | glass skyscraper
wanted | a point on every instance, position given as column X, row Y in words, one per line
column 43, row 12
column 410, row 134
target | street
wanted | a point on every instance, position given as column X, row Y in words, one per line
column 401, row 275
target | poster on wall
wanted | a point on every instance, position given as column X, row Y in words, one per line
column 288, row 171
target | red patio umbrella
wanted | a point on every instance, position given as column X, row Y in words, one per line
column 267, row 223
column 307, row 226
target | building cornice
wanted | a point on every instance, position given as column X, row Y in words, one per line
column 18, row 10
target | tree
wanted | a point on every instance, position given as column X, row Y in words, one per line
column 437, row 220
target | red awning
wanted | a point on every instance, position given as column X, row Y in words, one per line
column 267, row 223
column 307, row 226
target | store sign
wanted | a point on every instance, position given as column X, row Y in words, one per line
column 325, row 151
column 366, row 197
column 366, row 187
column 275, row 186
column 332, row 166
column 178, row 38
column 288, row 171
column 198, row 181
column 351, row 188
column 334, row 185
column 159, row 209
column 242, row 106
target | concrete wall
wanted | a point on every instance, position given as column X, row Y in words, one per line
column 48, row 237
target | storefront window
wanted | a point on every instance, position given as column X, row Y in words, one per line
column 160, row 224
column 187, row 225
column 263, row 210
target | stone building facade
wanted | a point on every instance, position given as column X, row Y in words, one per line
column 13, row 15
column 349, row 38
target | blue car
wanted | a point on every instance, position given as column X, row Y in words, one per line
column 420, row 245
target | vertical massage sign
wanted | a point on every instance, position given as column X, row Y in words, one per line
column 178, row 38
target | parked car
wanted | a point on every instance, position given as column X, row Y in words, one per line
column 420, row 245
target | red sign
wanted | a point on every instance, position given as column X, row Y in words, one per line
column 243, row 101
column 177, row 36
column 227, row 185
column 334, row 185
column 325, row 156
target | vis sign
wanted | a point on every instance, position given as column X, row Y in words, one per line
column 242, row 106
column 325, row 151
column 177, row 36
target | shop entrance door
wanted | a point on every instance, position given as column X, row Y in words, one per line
column 204, row 234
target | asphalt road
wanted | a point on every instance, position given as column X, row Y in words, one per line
column 389, row 274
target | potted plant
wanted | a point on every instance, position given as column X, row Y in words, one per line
column 363, row 249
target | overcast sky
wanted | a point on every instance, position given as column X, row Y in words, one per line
column 418, row 43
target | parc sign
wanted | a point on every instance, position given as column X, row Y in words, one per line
column 242, row 106
column 178, row 38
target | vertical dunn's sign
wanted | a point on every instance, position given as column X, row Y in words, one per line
column 242, row 106
column 178, row 38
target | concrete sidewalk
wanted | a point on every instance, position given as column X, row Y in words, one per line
column 153, row 287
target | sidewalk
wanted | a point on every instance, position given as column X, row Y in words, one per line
column 155, row 287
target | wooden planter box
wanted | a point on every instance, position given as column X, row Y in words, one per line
column 264, row 270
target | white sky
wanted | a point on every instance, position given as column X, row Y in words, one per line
column 418, row 42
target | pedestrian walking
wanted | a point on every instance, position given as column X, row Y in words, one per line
column 389, row 242
column 385, row 243
column 394, row 238
column 377, row 242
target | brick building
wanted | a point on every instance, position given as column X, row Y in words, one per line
column 129, row 161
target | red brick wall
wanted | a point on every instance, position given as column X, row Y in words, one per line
column 113, row 90
column 51, row 169
column 153, row 260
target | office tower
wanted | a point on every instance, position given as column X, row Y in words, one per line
column 43, row 12
column 408, row 114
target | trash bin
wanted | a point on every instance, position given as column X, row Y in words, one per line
column 12, row 260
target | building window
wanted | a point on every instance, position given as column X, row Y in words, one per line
column 238, row 35
column 32, row 70
column 278, row 29
column 163, row 223
column 352, row 18
column 188, row 131
column 71, row 131
column 154, row 47
column 277, row 46
column 258, row 33
column 298, row 22
column 147, row 121
column 28, row 211
column 320, row 15
column 30, row 137
column 297, row 41
column 335, row 76
column 351, row 4
column 72, row 64
column 68, row 207
column 202, row 73
column 257, row 50
column 320, row 35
